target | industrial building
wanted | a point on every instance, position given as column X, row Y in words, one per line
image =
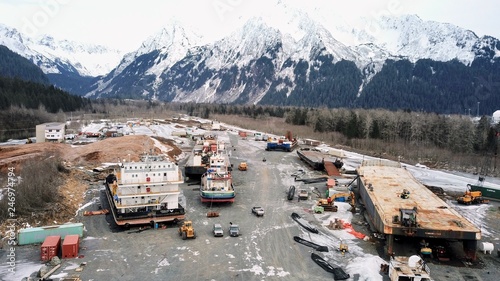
column 50, row 132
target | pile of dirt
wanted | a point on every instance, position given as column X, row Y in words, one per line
column 92, row 154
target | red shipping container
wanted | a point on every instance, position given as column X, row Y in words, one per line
column 70, row 246
column 50, row 247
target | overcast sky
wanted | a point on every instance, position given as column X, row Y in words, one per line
column 125, row 24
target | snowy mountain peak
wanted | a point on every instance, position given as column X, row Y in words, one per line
column 167, row 37
column 55, row 56
column 411, row 37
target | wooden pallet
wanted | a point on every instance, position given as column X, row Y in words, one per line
column 212, row 214
column 93, row 213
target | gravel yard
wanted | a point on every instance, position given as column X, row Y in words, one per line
column 265, row 249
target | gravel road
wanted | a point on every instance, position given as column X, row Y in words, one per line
column 265, row 250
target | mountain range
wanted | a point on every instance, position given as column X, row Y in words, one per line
column 299, row 61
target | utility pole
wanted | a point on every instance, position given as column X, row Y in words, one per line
column 477, row 109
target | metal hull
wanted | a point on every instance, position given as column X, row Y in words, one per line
column 145, row 217
column 194, row 172
column 217, row 197
column 312, row 158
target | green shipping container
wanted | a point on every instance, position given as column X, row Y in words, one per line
column 37, row 235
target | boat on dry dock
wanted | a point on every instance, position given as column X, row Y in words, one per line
column 145, row 192
column 198, row 161
column 217, row 182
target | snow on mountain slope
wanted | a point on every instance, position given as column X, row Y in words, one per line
column 54, row 56
column 169, row 45
column 411, row 37
column 252, row 57
column 268, row 49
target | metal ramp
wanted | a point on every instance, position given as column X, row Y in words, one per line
column 330, row 169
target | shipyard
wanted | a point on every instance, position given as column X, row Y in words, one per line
column 346, row 216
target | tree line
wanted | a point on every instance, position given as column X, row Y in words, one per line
column 459, row 133
column 24, row 104
column 13, row 65
column 415, row 136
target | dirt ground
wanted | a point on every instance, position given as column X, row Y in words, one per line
column 80, row 160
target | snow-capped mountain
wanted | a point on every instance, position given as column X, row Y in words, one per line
column 410, row 37
column 57, row 56
column 157, row 53
column 267, row 55
column 290, row 57
column 258, row 53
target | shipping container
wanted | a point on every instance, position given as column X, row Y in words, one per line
column 50, row 248
column 70, row 246
column 37, row 235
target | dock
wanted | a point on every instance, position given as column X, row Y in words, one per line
column 399, row 205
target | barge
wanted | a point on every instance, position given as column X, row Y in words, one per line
column 318, row 160
column 398, row 205
column 145, row 192
column 312, row 157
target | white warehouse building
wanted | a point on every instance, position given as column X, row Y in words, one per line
column 52, row 132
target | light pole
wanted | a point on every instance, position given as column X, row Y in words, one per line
column 477, row 109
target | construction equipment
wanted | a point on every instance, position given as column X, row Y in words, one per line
column 343, row 197
column 186, row 230
column 329, row 205
column 343, row 248
column 405, row 194
column 242, row 166
column 472, row 197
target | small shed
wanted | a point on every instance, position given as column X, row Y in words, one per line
column 311, row 142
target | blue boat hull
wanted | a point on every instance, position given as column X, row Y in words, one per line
column 220, row 197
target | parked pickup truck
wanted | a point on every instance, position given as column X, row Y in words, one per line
column 234, row 230
column 258, row 211
column 217, row 230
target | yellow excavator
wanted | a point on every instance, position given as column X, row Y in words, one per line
column 348, row 197
column 329, row 205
